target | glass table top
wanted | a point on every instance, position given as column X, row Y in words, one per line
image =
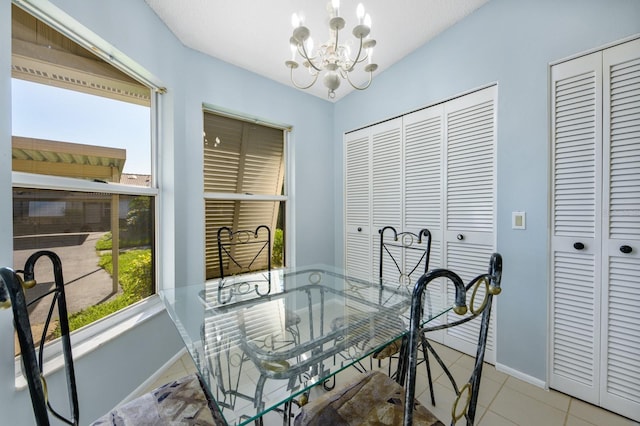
column 262, row 339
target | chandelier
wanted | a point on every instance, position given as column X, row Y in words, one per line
column 332, row 58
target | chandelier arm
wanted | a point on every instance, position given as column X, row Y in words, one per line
column 315, row 78
column 364, row 58
column 357, row 60
column 360, row 87
column 305, row 55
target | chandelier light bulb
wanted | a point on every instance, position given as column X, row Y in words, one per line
column 336, row 7
column 295, row 20
column 360, row 12
column 294, row 49
column 370, row 54
column 367, row 20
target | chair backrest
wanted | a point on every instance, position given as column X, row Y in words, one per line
column 244, row 250
column 33, row 359
column 405, row 254
column 491, row 282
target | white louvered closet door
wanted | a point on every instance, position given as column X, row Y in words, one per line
column 386, row 186
column 358, row 254
column 469, row 202
column 576, row 135
column 433, row 168
column 423, row 136
column 595, row 258
column 620, row 355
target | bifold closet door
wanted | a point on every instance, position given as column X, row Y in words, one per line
column 434, row 169
column 357, row 204
column 373, row 193
column 469, row 199
column 423, row 182
column 387, row 189
column 595, row 255
column 575, row 266
column 620, row 325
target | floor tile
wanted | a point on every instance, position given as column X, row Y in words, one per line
column 188, row 364
column 596, row 415
column 444, row 401
column 448, row 355
column 445, row 398
column 575, row 421
column 488, row 388
column 490, row 371
column 492, row 419
column 526, row 411
column 550, row 397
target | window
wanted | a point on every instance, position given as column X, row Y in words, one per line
column 82, row 172
column 244, row 168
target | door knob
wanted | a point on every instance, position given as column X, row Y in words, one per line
column 359, row 229
column 626, row 249
column 578, row 246
column 460, row 237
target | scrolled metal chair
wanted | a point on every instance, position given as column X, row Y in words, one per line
column 245, row 253
column 244, row 250
column 406, row 251
column 166, row 405
column 407, row 255
column 245, row 263
column 32, row 361
column 374, row 398
column 403, row 257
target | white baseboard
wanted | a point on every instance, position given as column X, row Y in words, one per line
column 524, row 377
column 153, row 378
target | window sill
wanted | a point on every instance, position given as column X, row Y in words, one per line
column 92, row 337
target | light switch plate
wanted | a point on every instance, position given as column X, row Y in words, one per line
column 518, row 220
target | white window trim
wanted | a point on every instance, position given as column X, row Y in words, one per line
column 35, row 181
column 99, row 332
column 87, row 339
column 96, row 334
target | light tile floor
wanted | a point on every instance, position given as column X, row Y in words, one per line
column 503, row 400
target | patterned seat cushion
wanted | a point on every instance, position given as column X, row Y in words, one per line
column 389, row 350
column 371, row 399
column 180, row 402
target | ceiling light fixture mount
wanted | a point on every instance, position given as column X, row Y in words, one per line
column 332, row 58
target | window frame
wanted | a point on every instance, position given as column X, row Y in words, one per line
column 289, row 220
column 96, row 334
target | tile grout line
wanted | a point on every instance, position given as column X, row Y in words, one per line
column 566, row 415
column 492, row 401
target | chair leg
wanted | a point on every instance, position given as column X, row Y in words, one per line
column 326, row 386
column 286, row 414
column 444, row 367
column 425, row 352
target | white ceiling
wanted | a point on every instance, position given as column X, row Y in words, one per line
column 254, row 34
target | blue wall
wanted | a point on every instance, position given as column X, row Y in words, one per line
column 508, row 42
column 511, row 43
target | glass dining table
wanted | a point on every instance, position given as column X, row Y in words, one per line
column 263, row 340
